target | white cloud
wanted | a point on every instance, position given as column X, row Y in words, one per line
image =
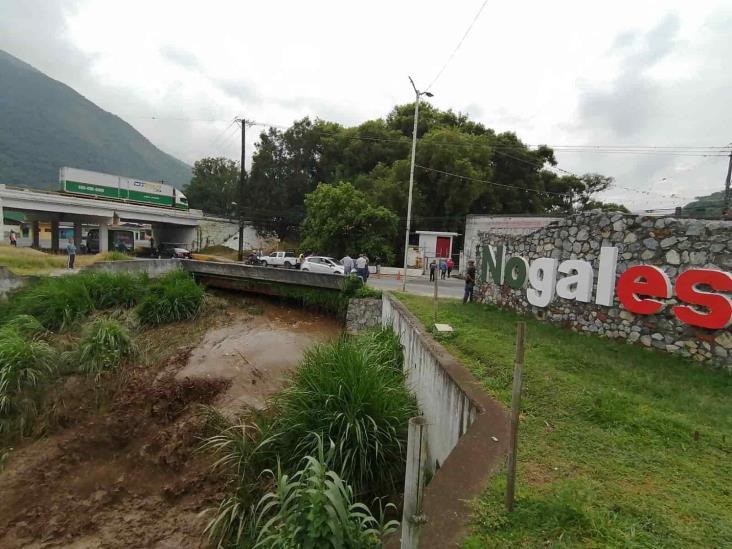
column 626, row 72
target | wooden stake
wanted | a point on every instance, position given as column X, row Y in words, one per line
column 434, row 301
column 414, row 479
column 518, row 373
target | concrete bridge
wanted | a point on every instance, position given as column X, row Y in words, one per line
column 267, row 280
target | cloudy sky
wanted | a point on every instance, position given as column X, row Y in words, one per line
column 572, row 73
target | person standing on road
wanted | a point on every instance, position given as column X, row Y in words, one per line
column 366, row 272
column 347, row 263
column 71, row 250
column 433, row 267
column 13, row 238
column 450, row 266
column 443, row 269
column 469, row 282
column 361, row 267
column 377, row 262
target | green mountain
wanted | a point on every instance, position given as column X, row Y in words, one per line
column 45, row 125
column 706, row 206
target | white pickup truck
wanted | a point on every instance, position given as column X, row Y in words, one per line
column 280, row 259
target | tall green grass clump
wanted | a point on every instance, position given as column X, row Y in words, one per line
column 348, row 393
column 55, row 302
column 110, row 290
column 25, row 365
column 25, row 325
column 174, row 297
column 315, row 508
column 104, row 345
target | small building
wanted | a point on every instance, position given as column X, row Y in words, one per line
column 432, row 245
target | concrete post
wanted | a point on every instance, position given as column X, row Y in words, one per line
column 54, row 236
column 2, row 221
column 412, row 518
column 77, row 236
column 35, row 235
column 103, row 237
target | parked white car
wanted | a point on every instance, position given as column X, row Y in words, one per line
column 319, row 264
column 280, row 259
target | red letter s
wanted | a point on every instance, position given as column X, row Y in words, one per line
column 719, row 306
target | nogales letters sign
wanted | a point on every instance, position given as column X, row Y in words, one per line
column 639, row 288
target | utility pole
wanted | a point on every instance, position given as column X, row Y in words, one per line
column 727, row 190
column 417, row 95
column 242, row 176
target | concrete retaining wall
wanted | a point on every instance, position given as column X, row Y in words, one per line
column 153, row 267
column 468, row 430
column 9, row 281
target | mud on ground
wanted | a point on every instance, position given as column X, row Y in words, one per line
column 130, row 475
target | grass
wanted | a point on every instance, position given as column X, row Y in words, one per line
column 172, row 298
column 27, row 261
column 618, row 446
column 25, row 365
column 349, row 391
column 104, row 345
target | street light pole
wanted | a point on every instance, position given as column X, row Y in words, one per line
column 417, row 95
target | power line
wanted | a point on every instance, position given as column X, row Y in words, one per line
column 452, row 55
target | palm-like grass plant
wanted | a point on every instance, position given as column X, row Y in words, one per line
column 25, row 365
column 105, row 344
column 174, row 297
column 352, row 393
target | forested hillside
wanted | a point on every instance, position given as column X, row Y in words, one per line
column 45, row 124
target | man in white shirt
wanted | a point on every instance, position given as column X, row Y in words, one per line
column 347, row 263
column 362, row 266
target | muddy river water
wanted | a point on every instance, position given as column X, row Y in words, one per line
column 257, row 353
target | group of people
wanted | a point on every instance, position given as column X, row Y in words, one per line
column 360, row 266
column 445, row 267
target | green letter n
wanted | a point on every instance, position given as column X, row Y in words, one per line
column 493, row 264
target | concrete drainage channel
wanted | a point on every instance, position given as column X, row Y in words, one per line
column 466, row 431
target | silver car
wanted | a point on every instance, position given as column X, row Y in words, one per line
column 320, row 264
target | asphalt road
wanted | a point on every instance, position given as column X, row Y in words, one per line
column 421, row 285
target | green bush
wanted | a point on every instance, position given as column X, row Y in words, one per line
column 383, row 347
column 174, row 297
column 25, row 325
column 25, row 365
column 346, row 392
column 351, row 284
column 315, row 508
column 104, row 345
column 109, row 290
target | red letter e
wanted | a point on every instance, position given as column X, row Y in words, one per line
column 643, row 280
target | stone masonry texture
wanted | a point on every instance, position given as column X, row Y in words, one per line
column 674, row 245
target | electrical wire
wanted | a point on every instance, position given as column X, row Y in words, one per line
column 460, row 43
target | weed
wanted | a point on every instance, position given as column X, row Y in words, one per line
column 343, row 392
column 25, row 365
column 109, row 290
column 105, row 344
column 174, row 297
column 55, row 302
column 25, row 325
column 114, row 256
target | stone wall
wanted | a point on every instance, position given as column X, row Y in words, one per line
column 674, row 245
column 363, row 314
column 9, row 281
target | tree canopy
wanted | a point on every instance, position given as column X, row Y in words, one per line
column 214, row 185
column 339, row 219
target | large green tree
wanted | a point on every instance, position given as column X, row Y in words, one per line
column 214, row 186
column 340, row 219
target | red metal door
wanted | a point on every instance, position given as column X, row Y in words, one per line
column 443, row 246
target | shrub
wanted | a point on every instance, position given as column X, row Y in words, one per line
column 172, row 298
column 109, row 290
column 114, row 256
column 383, row 347
column 242, row 449
column 24, row 366
column 25, row 325
column 315, row 509
column 55, row 302
column 105, row 344
column 351, row 284
column 344, row 392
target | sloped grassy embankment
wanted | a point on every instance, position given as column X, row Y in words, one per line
column 618, row 446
